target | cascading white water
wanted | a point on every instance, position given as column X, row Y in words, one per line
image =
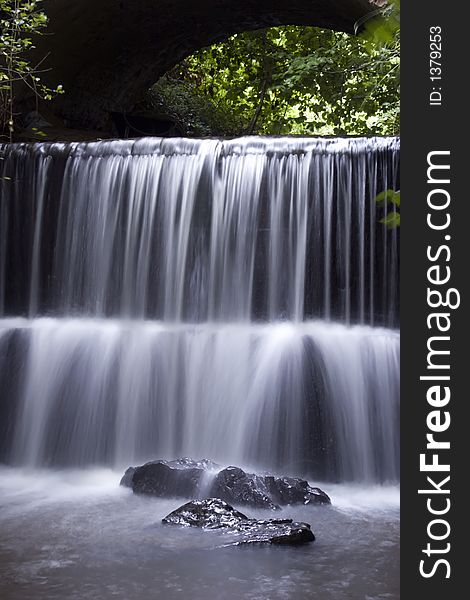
column 178, row 297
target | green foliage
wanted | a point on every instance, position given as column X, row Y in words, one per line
column 392, row 219
column 389, row 196
column 193, row 113
column 20, row 22
column 384, row 28
column 302, row 80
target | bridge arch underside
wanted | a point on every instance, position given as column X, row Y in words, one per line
column 106, row 53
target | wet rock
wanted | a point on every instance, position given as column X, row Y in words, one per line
column 214, row 513
column 187, row 478
column 264, row 491
column 292, row 490
column 211, row 513
column 234, row 485
column 126, row 479
column 178, row 478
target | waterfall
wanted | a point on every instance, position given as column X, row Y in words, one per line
column 233, row 300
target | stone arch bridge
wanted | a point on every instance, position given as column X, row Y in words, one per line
column 106, row 52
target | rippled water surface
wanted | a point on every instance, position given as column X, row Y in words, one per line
column 78, row 535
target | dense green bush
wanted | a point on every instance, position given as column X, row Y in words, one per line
column 193, row 113
column 290, row 80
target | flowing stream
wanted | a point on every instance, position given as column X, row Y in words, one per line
column 231, row 300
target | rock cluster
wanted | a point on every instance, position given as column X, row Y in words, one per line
column 186, row 478
column 214, row 489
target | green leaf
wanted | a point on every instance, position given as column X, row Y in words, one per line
column 389, row 196
column 392, row 220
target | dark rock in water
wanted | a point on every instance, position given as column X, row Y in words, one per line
column 126, row 480
column 187, row 478
column 292, row 490
column 214, row 513
column 207, row 514
column 234, row 485
column 264, row 491
column 179, row 478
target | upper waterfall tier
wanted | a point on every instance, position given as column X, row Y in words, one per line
column 200, row 230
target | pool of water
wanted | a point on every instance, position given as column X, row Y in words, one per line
column 78, row 535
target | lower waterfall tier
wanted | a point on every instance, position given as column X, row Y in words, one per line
column 309, row 398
